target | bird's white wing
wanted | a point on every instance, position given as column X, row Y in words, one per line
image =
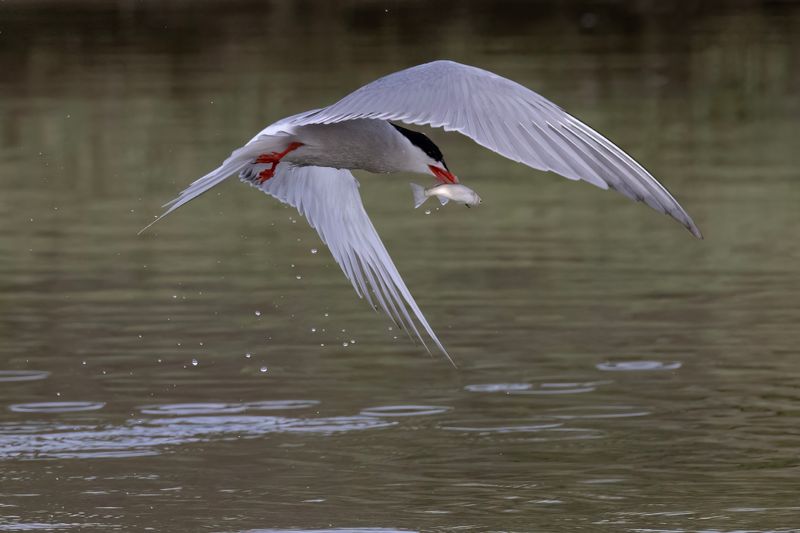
column 330, row 201
column 507, row 118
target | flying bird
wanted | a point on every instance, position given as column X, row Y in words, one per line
column 305, row 161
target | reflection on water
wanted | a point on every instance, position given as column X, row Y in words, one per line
column 219, row 373
column 145, row 436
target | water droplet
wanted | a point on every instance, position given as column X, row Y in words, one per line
column 345, row 344
column 326, row 314
column 248, row 355
column 322, row 344
column 258, row 313
column 314, row 250
column 427, row 211
column 299, row 277
column 263, row 369
column 313, row 330
column 352, row 341
column 195, row 362
column 83, row 362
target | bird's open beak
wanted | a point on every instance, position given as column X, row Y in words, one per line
column 443, row 175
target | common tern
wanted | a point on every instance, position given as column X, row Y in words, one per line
column 305, row 161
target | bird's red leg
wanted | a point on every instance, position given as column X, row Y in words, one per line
column 273, row 158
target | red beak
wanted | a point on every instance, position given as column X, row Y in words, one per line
column 443, row 175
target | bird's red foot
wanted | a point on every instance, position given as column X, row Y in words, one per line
column 273, row 158
column 266, row 174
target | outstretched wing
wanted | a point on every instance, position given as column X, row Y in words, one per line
column 329, row 199
column 507, row 118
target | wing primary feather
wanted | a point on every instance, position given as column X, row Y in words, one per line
column 632, row 168
column 330, row 201
column 486, row 107
column 638, row 189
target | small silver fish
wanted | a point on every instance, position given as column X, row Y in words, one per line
column 445, row 192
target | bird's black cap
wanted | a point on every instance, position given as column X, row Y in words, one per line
column 421, row 141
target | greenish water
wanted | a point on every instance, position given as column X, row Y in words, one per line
column 614, row 373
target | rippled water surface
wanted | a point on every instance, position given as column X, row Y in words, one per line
column 218, row 373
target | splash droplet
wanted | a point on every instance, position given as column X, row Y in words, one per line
column 427, row 211
column 263, row 369
column 248, row 355
column 258, row 313
column 195, row 362
column 314, row 250
column 345, row 344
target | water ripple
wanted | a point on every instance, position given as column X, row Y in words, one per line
column 552, row 432
column 537, row 389
column 597, row 411
column 636, row 366
column 511, row 426
column 35, row 526
column 333, row 530
column 56, row 407
column 498, row 387
column 277, row 405
column 221, row 408
column 405, row 410
column 23, row 375
column 180, row 409
column 145, row 437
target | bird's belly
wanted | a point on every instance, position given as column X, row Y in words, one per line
column 363, row 144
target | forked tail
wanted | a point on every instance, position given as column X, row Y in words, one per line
column 237, row 161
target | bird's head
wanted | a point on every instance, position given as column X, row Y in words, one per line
column 426, row 156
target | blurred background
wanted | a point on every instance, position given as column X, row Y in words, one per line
column 218, row 373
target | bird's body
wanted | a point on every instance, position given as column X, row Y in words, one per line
column 363, row 144
column 305, row 161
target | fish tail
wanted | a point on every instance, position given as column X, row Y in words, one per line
column 419, row 194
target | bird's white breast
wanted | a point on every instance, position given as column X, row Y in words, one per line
column 365, row 144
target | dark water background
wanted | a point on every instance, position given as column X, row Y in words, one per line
column 615, row 374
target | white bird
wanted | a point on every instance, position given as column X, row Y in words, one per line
column 305, row 161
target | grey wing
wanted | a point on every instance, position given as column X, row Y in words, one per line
column 330, row 201
column 507, row 118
